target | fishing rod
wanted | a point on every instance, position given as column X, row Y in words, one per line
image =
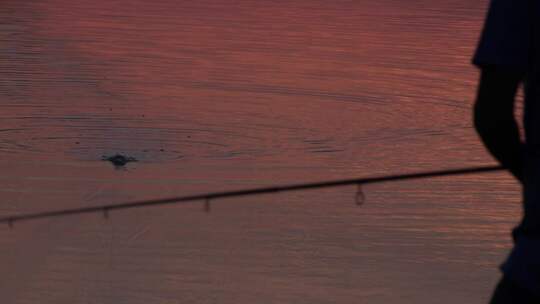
column 208, row 197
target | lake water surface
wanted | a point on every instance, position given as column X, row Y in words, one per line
column 227, row 94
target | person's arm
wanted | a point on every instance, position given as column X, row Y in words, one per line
column 494, row 118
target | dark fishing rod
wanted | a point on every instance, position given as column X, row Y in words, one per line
column 208, row 197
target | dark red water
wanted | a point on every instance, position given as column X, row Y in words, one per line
column 215, row 95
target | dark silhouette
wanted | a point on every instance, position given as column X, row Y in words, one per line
column 507, row 57
column 119, row 160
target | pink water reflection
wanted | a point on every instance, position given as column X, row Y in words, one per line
column 218, row 95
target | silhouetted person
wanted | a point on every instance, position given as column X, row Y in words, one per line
column 508, row 55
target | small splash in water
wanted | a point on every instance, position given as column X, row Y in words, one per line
column 119, row 160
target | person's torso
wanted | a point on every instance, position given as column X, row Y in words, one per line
column 531, row 123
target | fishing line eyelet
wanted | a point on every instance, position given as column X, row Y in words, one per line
column 207, row 205
column 360, row 197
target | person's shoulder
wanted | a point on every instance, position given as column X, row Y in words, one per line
column 506, row 38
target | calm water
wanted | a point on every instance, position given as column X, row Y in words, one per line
column 218, row 95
